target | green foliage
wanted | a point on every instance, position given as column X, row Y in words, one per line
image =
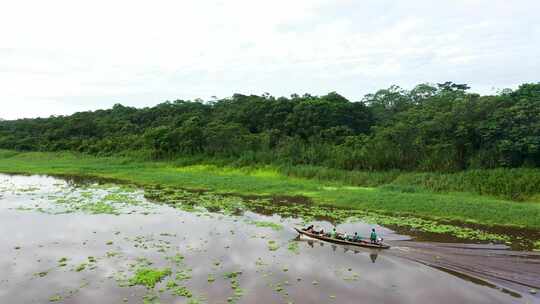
column 99, row 208
column 55, row 298
column 274, row 226
column 149, row 277
column 183, row 275
column 235, row 286
column 438, row 127
column 41, row 274
column 80, row 267
column 177, row 259
column 273, row 245
column 62, row 262
column 182, row 291
column 508, row 183
column 232, row 275
column 293, row 247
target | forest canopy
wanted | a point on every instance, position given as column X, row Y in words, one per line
column 433, row 127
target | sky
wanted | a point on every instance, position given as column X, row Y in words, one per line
column 60, row 57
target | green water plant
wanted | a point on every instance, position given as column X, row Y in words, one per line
column 149, row 277
column 56, row 298
column 80, row 267
column 272, row 225
column 235, row 285
column 293, row 247
column 272, row 245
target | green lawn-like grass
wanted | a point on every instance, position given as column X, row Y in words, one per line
column 460, row 206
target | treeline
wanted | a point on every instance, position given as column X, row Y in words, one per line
column 438, row 127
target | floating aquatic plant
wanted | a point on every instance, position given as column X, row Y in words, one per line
column 272, row 245
column 149, row 277
column 293, row 247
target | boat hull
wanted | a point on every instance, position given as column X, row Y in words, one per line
column 343, row 242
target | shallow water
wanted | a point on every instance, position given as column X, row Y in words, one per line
column 34, row 240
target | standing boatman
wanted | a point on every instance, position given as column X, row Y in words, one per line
column 373, row 236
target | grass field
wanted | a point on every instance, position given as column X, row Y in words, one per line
column 401, row 194
column 517, row 184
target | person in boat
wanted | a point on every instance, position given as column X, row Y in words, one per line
column 356, row 237
column 321, row 232
column 341, row 236
column 373, row 236
column 309, row 228
column 333, row 234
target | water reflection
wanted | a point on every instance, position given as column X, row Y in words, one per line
column 373, row 256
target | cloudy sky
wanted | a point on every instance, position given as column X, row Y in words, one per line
column 59, row 57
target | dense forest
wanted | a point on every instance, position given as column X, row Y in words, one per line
column 439, row 127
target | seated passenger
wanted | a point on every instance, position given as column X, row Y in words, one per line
column 333, row 234
column 309, row 228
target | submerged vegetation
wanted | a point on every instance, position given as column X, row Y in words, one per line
column 273, row 245
column 293, row 247
column 90, row 198
column 235, row 286
column 309, row 212
column 272, row 225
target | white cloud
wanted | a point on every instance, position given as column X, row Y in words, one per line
column 57, row 57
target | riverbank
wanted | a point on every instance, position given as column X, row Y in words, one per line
column 452, row 206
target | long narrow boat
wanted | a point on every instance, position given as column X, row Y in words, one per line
column 343, row 242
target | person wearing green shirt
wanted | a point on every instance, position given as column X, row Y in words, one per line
column 373, row 236
column 333, row 233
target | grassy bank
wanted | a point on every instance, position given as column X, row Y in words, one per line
column 510, row 184
column 401, row 195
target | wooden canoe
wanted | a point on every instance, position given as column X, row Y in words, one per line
column 343, row 242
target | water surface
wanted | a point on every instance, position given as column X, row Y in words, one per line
column 45, row 222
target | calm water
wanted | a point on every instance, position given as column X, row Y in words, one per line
column 33, row 240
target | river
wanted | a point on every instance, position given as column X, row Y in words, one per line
column 72, row 241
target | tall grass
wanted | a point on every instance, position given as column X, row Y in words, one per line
column 514, row 184
column 518, row 184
